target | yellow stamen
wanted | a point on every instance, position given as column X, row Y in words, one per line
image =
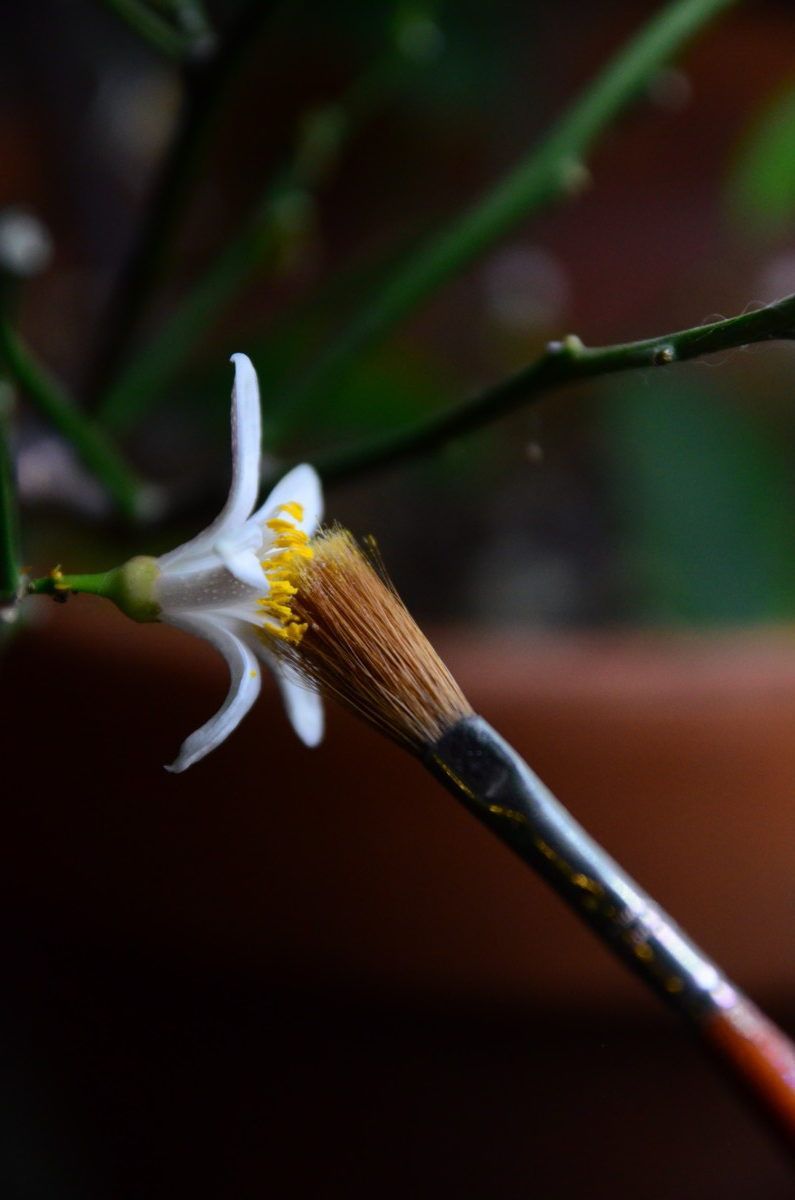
column 277, row 610
column 279, row 525
column 275, row 630
column 289, row 545
column 284, row 558
column 293, row 509
column 294, row 537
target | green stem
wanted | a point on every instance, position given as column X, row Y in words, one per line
column 190, row 16
column 58, row 584
column 554, row 169
column 91, row 443
column 9, row 519
column 562, row 363
column 142, row 382
column 206, row 86
column 148, row 25
column 131, row 587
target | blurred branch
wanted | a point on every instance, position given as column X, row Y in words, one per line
column 149, row 25
column 91, row 443
column 25, row 248
column 562, row 363
column 552, row 170
column 192, row 19
column 283, row 213
column 9, row 520
column 206, row 84
column 285, row 209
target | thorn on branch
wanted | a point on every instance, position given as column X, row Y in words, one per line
column 570, row 347
column 575, row 178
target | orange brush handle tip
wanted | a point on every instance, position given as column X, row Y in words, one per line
column 762, row 1056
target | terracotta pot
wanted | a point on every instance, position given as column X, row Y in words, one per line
column 349, row 862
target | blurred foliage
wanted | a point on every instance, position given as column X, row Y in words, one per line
column 703, row 491
column 761, row 189
column 436, row 99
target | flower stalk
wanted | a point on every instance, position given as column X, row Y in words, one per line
column 130, row 587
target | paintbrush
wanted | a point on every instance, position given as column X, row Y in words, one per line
column 360, row 644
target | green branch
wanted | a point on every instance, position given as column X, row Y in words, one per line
column 285, row 207
column 283, row 214
column 161, row 35
column 191, row 18
column 562, row 363
column 206, row 85
column 91, row 443
column 552, row 170
column 9, row 519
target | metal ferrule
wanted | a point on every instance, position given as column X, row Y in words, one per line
column 494, row 783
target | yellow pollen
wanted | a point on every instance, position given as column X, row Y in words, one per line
column 288, row 545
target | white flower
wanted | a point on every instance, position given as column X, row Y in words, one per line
column 230, row 585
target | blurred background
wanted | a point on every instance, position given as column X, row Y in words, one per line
column 307, row 972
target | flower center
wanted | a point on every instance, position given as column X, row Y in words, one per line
column 290, row 545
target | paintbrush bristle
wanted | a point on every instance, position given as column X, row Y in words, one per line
column 361, row 645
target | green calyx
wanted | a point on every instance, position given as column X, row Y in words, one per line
column 131, row 587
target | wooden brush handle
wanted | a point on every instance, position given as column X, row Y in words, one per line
column 494, row 783
column 760, row 1055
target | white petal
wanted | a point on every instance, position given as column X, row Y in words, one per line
column 244, row 565
column 246, row 438
column 303, row 485
column 302, row 704
column 243, row 690
column 210, row 588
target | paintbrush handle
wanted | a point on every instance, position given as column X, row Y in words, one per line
column 499, row 788
column 760, row 1056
